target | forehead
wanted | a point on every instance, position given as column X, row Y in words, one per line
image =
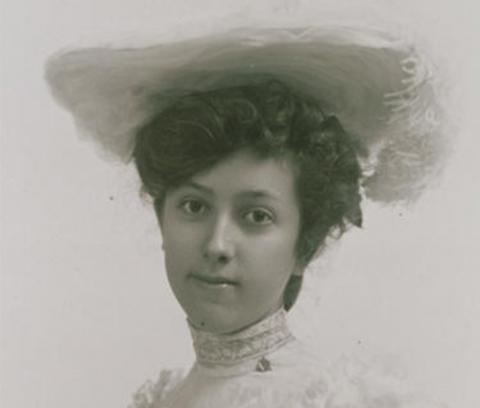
column 245, row 173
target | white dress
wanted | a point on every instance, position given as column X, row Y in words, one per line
column 265, row 366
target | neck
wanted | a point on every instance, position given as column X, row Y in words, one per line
column 257, row 340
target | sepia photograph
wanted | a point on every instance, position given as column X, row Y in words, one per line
column 242, row 204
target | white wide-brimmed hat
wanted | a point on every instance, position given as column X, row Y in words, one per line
column 384, row 92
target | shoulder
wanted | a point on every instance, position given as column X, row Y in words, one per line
column 151, row 393
column 353, row 382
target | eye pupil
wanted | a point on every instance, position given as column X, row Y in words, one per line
column 259, row 217
column 195, row 206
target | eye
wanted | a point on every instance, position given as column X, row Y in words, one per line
column 193, row 207
column 259, row 217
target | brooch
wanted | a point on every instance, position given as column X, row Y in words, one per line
column 263, row 365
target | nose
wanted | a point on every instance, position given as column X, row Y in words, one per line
column 219, row 246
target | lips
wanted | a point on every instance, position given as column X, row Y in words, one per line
column 213, row 280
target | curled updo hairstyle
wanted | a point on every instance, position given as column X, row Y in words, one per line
column 271, row 120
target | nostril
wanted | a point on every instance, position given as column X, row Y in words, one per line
column 217, row 257
column 223, row 258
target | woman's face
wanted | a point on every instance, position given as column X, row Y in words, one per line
column 229, row 237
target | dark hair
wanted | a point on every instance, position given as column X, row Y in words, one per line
column 201, row 129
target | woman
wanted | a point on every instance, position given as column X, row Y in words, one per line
column 255, row 145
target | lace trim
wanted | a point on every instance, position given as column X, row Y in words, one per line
column 151, row 393
column 255, row 341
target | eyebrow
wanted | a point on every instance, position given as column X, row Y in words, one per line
column 198, row 186
column 242, row 194
column 258, row 194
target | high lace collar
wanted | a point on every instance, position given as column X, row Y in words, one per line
column 251, row 343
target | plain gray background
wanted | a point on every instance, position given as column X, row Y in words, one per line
column 86, row 313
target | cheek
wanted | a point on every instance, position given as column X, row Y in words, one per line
column 181, row 255
column 182, row 247
column 178, row 233
column 280, row 243
column 272, row 257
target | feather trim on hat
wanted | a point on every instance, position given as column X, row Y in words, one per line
column 379, row 87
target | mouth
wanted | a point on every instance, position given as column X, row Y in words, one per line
column 218, row 281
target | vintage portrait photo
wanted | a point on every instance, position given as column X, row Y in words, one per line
column 240, row 204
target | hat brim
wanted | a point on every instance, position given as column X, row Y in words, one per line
column 376, row 85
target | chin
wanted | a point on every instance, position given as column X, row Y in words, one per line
column 217, row 319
